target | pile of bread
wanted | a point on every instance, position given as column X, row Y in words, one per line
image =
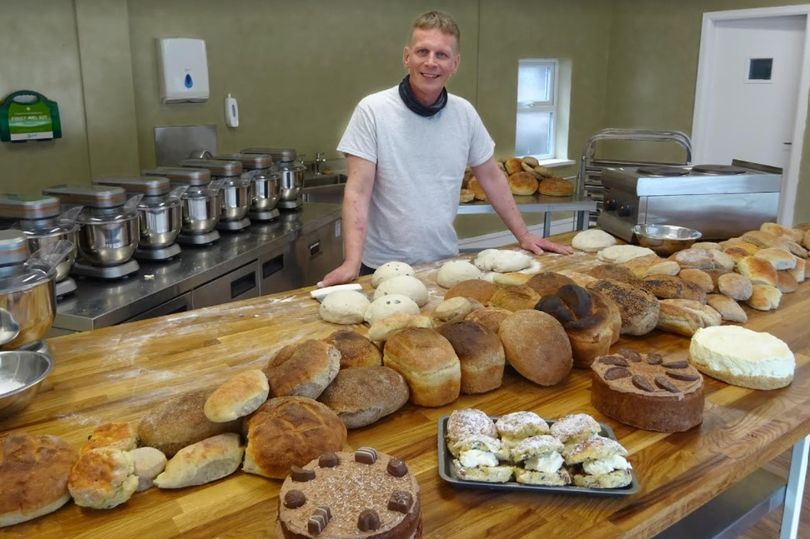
column 522, row 445
column 526, row 176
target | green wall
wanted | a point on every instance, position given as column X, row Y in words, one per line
column 298, row 68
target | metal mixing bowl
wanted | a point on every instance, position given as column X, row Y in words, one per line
column 21, row 367
column 665, row 239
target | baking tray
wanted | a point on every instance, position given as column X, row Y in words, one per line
column 447, row 473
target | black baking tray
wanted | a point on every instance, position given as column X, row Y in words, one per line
column 447, row 473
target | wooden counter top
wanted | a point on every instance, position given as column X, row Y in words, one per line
column 117, row 373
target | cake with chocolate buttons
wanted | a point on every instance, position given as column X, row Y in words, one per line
column 648, row 391
column 345, row 495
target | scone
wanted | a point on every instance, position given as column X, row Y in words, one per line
column 540, row 461
column 575, row 428
column 103, row 478
column 599, row 462
column 477, row 460
column 469, row 422
column 516, row 426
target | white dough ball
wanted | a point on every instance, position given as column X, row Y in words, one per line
column 592, row 240
column 388, row 270
column 390, row 305
column 344, row 307
column 453, row 272
column 502, row 260
column 405, row 285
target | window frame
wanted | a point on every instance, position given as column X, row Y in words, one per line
column 550, row 106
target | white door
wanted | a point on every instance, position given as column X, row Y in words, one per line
column 751, row 105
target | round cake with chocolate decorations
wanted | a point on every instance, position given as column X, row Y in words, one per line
column 648, row 391
column 346, row 495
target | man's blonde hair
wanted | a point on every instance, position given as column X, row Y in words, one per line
column 439, row 20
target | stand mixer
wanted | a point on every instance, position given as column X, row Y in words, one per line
column 264, row 178
column 235, row 191
column 292, row 175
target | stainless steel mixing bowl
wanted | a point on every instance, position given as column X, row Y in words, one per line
column 109, row 243
column 665, row 239
column 21, row 373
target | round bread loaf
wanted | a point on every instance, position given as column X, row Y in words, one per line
column 34, row 472
column 699, row 277
column 237, row 397
column 103, row 478
column 537, row 346
column 405, row 285
column 728, row 308
column 355, row 350
column 523, row 183
column 428, row 363
column 613, row 271
column 592, row 240
column 742, row 357
column 303, row 369
column 477, row 289
column 290, row 431
column 181, row 421
column 548, row 282
column 456, row 271
column 363, row 395
column 365, row 494
column 382, row 329
column 515, row 164
column 489, row 317
column 638, row 308
column 785, row 282
column 764, row 297
column 481, row 355
column 388, row 270
column 514, row 298
column 454, row 309
column 555, row 187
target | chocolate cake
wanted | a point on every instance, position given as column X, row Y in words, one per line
column 647, row 391
column 345, row 495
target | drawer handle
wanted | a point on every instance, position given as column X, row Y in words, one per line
column 243, row 284
column 314, row 248
column 274, row 265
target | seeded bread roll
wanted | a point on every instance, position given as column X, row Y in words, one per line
column 522, row 183
column 735, row 286
column 764, row 297
column 477, row 289
column 638, row 308
column 664, row 286
column 514, row 298
column 303, row 369
column 728, row 308
column 760, row 271
column 355, row 349
column 237, row 397
column 202, row 462
column 364, row 395
column 34, row 472
column 480, row 354
column 537, row 346
column 428, row 363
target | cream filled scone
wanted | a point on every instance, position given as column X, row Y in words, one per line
column 742, row 357
column 540, row 461
column 575, row 428
column 598, row 462
column 477, row 459
column 516, row 426
column 469, row 422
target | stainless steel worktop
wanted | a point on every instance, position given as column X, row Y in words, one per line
column 537, row 203
column 98, row 303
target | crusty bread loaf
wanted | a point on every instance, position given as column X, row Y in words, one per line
column 537, row 346
column 764, row 297
column 664, row 286
column 118, row 435
column 613, row 271
column 522, row 183
column 638, row 308
column 742, row 357
column 728, row 308
column 735, row 286
column 514, row 298
column 181, row 421
column 548, row 282
column 102, row 478
column 477, row 289
column 355, row 349
column 303, row 369
column 454, row 310
column 760, row 271
column 34, row 472
column 651, row 265
column 381, row 330
column 699, row 277
column 685, row 316
column 363, row 395
column 489, row 317
column 779, row 258
column 290, row 431
column 480, row 353
column 428, row 363
column 555, row 187
column 205, row 461
column 237, row 397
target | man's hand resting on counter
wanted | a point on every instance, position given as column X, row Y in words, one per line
column 345, row 273
column 538, row 245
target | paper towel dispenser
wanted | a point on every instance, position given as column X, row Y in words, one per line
column 183, row 65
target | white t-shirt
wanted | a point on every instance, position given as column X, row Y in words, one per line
column 420, row 165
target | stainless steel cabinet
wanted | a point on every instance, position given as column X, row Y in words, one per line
column 278, row 271
column 241, row 283
column 318, row 252
column 179, row 304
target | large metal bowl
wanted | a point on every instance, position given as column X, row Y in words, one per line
column 665, row 239
column 33, row 306
column 21, row 373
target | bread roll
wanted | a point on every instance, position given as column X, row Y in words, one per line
column 475, row 186
column 405, row 285
column 203, row 462
column 705, row 315
column 785, row 282
column 785, row 232
column 764, row 297
column 303, row 369
column 512, row 278
column 148, row 463
column 480, row 353
column 454, row 309
column 290, row 431
column 699, row 277
column 530, row 160
column 103, row 478
column 735, row 286
column 638, row 308
column 522, row 183
column 428, row 363
column 548, row 282
column 555, row 187
column 728, row 308
column 664, row 286
column 34, row 472
column 355, row 349
column 765, row 239
column 592, row 240
column 799, row 270
column 381, row 330
column 536, row 346
column 181, row 421
column 780, row 259
column 465, row 196
column 760, row 271
column 456, row 271
column 489, row 317
column 237, row 397
column 706, row 245
column 513, row 165
column 514, row 298
column 643, row 266
column 364, row 395
column 675, row 319
column 477, row 289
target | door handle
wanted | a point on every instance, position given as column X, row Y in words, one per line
column 788, row 143
column 314, row 248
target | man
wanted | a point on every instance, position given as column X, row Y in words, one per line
column 406, row 150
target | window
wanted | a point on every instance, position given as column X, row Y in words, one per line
column 536, row 108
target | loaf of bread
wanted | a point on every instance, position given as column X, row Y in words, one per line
column 477, row 289
column 355, row 349
column 489, row 317
column 735, row 286
column 685, row 316
column 664, row 286
column 303, row 369
column 514, row 298
column 237, row 397
column 102, row 478
column 699, row 277
column 34, row 472
column 454, row 309
column 785, row 282
column 428, row 363
column 522, row 183
column 555, row 187
column 618, row 254
column 536, row 346
column 799, row 270
column 514, row 164
column 760, row 271
column 480, row 354
column 548, row 282
column 181, row 421
column 363, row 395
column 638, row 308
column 613, row 271
column 764, row 297
column 117, row 435
column 728, row 308
column 742, row 357
column 643, row 266
column 202, row 462
column 779, row 258
column 290, row 431
column 381, row 330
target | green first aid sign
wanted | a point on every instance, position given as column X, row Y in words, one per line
column 27, row 115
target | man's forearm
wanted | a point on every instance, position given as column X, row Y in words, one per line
column 355, row 222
